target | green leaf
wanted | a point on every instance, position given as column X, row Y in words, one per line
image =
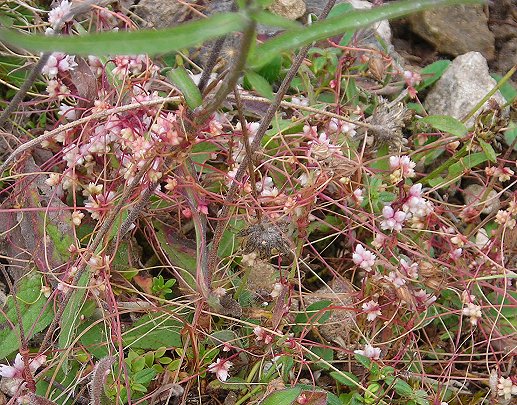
column 70, row 318
column 400, row 386
column 95, row 339
column 345, row 378
column 186, row 85
column 283, row 397
column 271, row 71
column 314, row 313
column 446, row 123
column 337, row 25
column 153, row 331
column 466, row 163
column 510, row 134
column 431, row 73
column 363, row 360
column 489, row 151
column 317, row 354
column 179, row 252
column 508, row 91
column 36, row 314
column 340, row 9
column 259, row 84
column 130, row 43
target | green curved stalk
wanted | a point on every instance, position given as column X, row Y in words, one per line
column 130, row 43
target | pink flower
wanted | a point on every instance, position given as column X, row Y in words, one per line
column 16, row 371
column 393, row 220
column 416, row 204
column 363, row 258
column 395, row 278
column 220, row 369
column 423, row 298
column 372, row 309
column 409, row 270
column 411, row 78
column 404, row 164
column 166, row 129
column 262, row 335
column 370, row 352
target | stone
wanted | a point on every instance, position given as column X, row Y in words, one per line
column 162, row 13
column 291, row 9
column 461, row 87
column 455, row 30
column 473, row 195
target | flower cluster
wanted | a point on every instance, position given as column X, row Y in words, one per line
column 507, row 388
column 15, row 373
column 364, row 258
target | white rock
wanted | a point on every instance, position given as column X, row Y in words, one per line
column 461, row 87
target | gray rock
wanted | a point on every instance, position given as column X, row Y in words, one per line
column 291, row 9
column 455, row 30
column 162, row 13
column 461, row 87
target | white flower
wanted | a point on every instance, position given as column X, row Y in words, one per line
column 393, row 220
column 506, row 388
column 56, row 15
column 92, row 189
column 363, row 258
column 58, row 63
column 249, row 259
column 504, row 218
column 53, row 179
column 277, row 290
column 68, row 112
column 77, row 216
column 373, row 309
column 56, row 88
column 220, row 369
column 395, row 278
column 474, row 311
column 404, row 165
column 267, row 188
column 456, row 254
column 341, row 127
column 370, row 352
column 409, row 270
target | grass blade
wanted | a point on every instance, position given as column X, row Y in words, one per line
column 131, row 43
